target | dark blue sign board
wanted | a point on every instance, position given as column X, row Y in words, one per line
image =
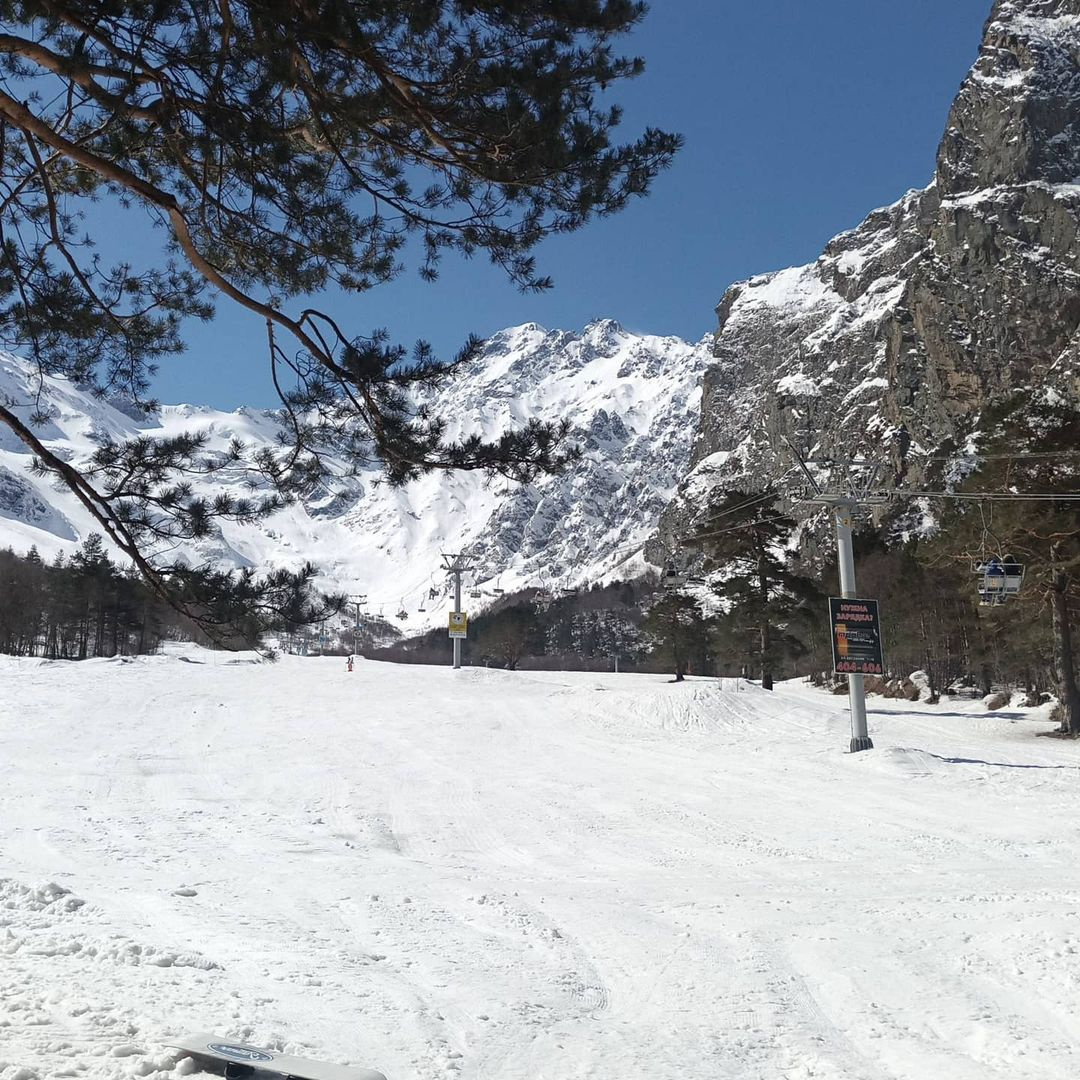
column 856, row 637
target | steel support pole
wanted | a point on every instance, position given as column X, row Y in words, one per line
column 457, row 607
column 845, row 554
column 358, row 600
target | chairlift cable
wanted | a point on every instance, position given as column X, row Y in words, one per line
column 972, row 454
column 741, row 506
column 730, row 529
column 992, row 496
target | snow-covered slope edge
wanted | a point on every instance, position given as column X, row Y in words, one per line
column 628, row 396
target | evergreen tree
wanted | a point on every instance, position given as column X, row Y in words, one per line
column 618, row 637
column 281, row 148
column 507, row 636
column 76, row 609
column 678, row 630
column 745, row 541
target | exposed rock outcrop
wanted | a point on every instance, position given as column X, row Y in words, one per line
column 932, row 309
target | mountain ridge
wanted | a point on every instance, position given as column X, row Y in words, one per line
column 628, row 397
column 933, row 309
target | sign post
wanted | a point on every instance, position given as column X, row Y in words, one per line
column 459, row 624
column 456, row 565
column 844, row 512
column 843, row 504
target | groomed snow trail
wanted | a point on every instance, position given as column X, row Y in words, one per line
column 527, row 876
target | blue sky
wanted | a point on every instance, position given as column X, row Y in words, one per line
column 800, row 116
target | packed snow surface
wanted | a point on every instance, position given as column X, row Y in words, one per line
column 523, row 876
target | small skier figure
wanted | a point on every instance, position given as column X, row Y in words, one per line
column 349, row 665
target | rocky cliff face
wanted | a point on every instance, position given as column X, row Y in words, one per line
column 933, row 308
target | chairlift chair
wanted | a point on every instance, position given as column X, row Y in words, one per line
column 999, row 580
column 1000, row 576
column 671, row 578
column 543, row 596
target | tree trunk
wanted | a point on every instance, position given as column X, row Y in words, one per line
column 928, row 659
column 1030, row 689
column 1068, row 693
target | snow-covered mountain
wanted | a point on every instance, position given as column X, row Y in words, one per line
column 934, row 309
column 631, row 398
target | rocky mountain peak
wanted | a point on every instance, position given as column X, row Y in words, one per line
column 933, row 309
column 1015, row 118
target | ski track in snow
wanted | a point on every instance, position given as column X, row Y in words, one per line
column 486, row 875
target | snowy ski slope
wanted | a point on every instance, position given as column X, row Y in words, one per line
column 526, row 876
